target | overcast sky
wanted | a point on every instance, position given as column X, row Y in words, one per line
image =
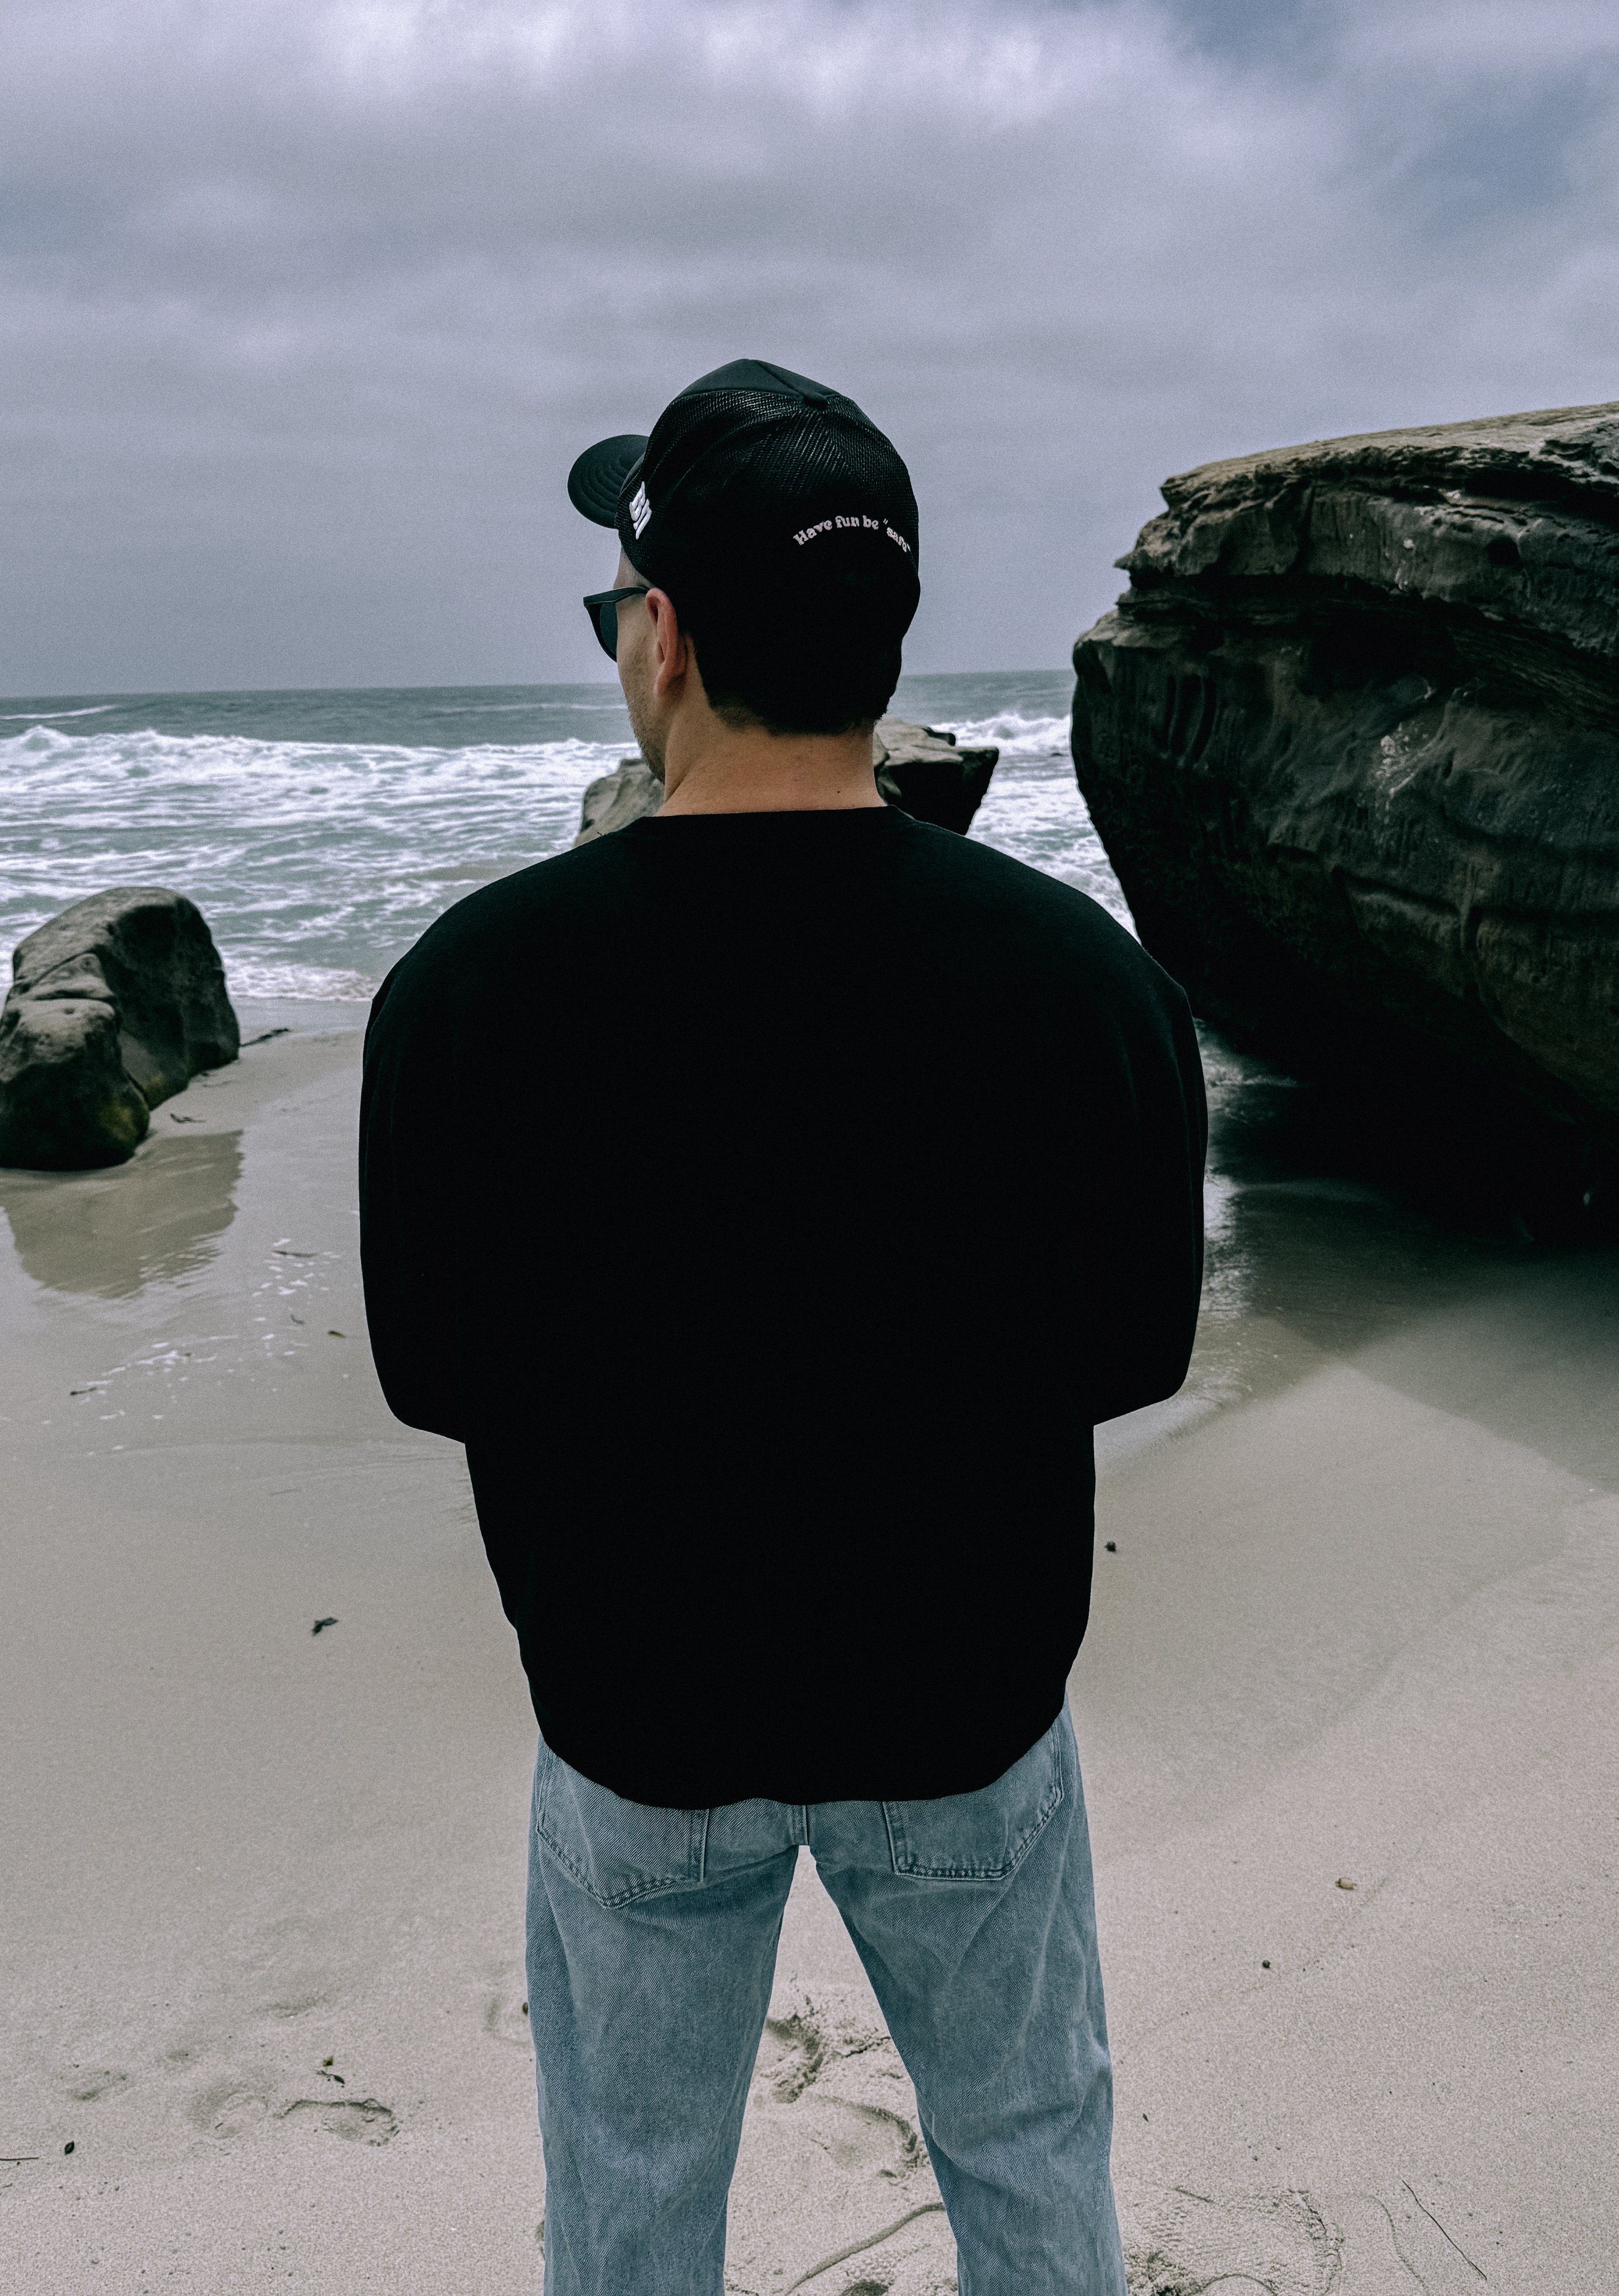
column 308, row 305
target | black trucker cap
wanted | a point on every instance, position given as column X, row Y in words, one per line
column 759, row 486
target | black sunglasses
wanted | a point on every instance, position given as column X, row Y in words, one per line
column 603, row 608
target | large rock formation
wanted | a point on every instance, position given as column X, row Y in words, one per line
column 918, row 769
column 115, row 1004
column 1352, row 741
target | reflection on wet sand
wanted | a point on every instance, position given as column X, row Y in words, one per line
column 1326, row 1232
column 108, row 1233
column 1339, row 1235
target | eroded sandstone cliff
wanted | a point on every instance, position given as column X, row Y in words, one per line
column 1351, row 739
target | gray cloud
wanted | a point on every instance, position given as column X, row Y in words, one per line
column 305, row 310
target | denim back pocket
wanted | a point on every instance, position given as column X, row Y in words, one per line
column 616, row 1850
column 983, row 1836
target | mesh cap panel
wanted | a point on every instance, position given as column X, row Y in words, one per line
column 742, row 486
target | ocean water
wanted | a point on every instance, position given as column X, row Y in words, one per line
column 321, row 834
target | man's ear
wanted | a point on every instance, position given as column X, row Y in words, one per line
column 671, row 649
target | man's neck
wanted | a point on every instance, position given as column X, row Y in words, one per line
column 727, row 769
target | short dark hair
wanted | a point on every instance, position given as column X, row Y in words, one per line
column 797, row 665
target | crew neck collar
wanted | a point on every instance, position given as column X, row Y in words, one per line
column 886, row 814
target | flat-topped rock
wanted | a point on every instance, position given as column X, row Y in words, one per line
column 927, row 775
column 1352, row 741
column 1512, row 521
column 114, row 1005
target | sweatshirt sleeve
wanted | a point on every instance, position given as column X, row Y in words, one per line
column 1147, row 1249
column 412, row 1204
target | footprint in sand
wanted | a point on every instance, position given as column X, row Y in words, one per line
column 834, row 2193
column 1180, row 2243
column 505, row 2018
column 357, row 2120
column 84, row 2088
column 229, row 2109
column 235, row 2109
column 826, row 2051
column 286, row 1969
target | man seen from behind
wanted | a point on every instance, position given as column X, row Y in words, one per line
column 839, row 1174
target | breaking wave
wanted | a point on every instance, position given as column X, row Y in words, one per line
column 318, row 862
column 315, row 863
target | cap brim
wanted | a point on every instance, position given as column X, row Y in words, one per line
column 597, row 479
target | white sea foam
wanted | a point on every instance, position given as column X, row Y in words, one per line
column 251, row 979
column 1034, row 810
column 317, row 863
column 49, row 717
column 1018, row 738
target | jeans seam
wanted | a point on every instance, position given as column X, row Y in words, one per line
column 889, row 1817
column 986, row 1872
column 900, row 1850
column 654, row 1885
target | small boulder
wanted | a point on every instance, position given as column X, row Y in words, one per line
column 628, row 793
column 115, row 1004
column 918, row 769
column 924, row 773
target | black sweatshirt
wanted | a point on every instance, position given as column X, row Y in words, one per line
column 771, row 1202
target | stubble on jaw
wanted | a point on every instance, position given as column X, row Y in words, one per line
column 636, row 699
column 647, row 739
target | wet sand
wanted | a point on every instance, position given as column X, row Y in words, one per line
column 260, row 1907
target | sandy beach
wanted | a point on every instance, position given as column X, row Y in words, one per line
column 1349, row 1713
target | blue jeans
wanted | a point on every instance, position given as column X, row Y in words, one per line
column 652, row 1947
